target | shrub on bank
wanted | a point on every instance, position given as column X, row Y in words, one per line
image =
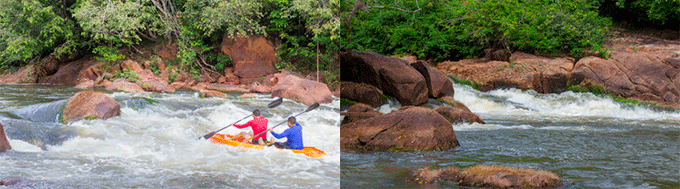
column 456, row 29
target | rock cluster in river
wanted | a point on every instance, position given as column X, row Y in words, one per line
column 645, row 72
column 406, row 129
column 90, row 105
column 488, row 177
column 4, row 143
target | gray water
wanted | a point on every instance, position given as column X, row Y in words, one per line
column 589, row 141
column 156, row 145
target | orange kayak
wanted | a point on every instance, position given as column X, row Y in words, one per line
column 227, row 139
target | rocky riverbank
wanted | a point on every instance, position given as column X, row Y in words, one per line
column 641, row 68
column 154, row 68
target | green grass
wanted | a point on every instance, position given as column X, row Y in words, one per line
column 464, row 82
column 347, row 102
column 90, row 117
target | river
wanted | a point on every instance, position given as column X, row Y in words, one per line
column 589, row 141
column 154, row 143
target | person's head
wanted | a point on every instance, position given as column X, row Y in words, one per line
column 256, row 113
column 291, row 121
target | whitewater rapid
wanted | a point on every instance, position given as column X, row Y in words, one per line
column 155, row 144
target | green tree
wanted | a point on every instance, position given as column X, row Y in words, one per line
column 30, row 29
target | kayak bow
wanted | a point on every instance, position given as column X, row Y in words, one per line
column 227, row 139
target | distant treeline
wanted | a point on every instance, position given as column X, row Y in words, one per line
column 32, row 29
column 454, row 29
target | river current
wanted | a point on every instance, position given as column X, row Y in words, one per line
column 154, row 143
column 589, row 141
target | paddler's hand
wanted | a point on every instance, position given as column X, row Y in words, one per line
column 270, row 129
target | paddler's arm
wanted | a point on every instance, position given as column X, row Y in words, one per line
column 276, row 134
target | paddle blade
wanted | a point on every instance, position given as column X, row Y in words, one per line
column 312, row 107
column 207, row 136
column 275, row 103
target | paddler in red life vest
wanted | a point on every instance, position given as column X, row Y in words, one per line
column 293, row 134
column 258, row 124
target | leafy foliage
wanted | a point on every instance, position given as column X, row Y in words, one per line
column 647, row 13
column 310, row 32
column 456, row 29
column 30, row 29
column 127, row 74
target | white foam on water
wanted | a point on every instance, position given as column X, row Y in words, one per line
column 514, row 102
column 155, row 140
column 22, row 146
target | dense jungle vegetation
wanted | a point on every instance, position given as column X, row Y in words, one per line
column 453, row 29
column 32, row 29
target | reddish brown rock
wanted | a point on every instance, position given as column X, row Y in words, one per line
column 488, row 177
column 631, row 75
column 457, row 115
column 303, row 90
column 489, row 75
column 227, row 88
column 166, row 51
column 27, row 74
column 252, row 56
column 149, row 82
column 507, row 177
column 391, row 75
column 4, row 143
column 212, row 93
column 131, row 65
column 362, row 93
column 104, row 84
column 122, row 84
column 90, row 103
column 551, row 74
column 262, row 89
column 247, row 95
column 410, row 128
column 359, row 112
column 87, row 84
column 453, row 103
column 438, row 84
column 73, row 72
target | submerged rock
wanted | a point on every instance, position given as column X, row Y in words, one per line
column 4, row 143
column 358, row 112
column 488, row 177
column 410, row 128
column 9, row 181
column 457, row 115
column 90, row 104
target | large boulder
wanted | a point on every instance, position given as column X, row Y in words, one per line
column 90, row 104
column 457, row 115
column 391, row 75
column 362, row 93
column 252, row 56
column 74, row 72
column 489, row 75
column 27, row 74
column 410, row 128
column 631, row 75
column 122, row 84
column 306, row 91
column 551, row 74
column 4, row 143
column 438, row 84
column 358, row 112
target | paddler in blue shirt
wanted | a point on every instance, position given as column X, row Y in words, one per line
column 293, row 134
